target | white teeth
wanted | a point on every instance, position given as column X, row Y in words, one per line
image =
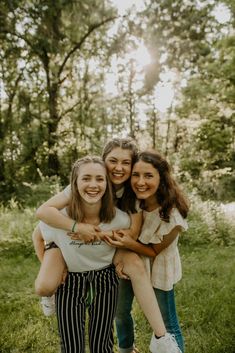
column 93, row 193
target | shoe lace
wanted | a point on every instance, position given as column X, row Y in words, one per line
column 171, row 338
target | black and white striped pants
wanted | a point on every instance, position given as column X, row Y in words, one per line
column 98, row 291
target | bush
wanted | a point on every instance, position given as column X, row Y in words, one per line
column 208, row 224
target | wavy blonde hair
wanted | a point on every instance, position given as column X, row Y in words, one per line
column 75, row 209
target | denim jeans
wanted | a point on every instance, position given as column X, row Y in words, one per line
column 166, row 302
column 125, row 323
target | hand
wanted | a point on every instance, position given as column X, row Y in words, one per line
column 120, row 240
column 103, row 234
column 64, row 275
column 85, row 232
column 119, row 271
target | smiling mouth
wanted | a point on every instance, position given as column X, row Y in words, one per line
column 141, row 191
column 118, row 175
column 93, row 193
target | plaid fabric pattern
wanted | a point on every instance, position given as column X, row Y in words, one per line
column 165, row 270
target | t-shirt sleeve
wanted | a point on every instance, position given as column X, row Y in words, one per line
column 47, row 232
column 67, row 191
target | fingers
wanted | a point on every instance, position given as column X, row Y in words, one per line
column 117, row 235
column 120, row 233
column 74, row 236
column 119, row 271
column 64, row 275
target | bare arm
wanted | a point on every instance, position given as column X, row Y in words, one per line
column 133, row 231
column 136, row 224
column 38, row 243
column 151, row 250
column 49, row 212
column 167, row 240
column 127, row 242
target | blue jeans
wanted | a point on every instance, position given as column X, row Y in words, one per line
column 125, row 322
column 166, row 302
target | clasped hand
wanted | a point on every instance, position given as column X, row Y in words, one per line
column 119, row 239
column 89, row 233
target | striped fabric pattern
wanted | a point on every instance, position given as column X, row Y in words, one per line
column 97, row 291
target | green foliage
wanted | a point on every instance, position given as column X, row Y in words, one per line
column 32, row 195
column 208, row 224
column 55, row 106
column 205, row 295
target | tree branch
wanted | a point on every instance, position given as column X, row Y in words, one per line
column 70, row 109
column 79, row 44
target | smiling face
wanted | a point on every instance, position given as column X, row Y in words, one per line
column 145, row 180
column 91, row 182
column 118, row 163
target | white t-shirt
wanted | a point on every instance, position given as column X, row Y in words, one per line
column 165, row 270
column 79, row 256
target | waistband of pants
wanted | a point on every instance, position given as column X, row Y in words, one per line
column 96, row 271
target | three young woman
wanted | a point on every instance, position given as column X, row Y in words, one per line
column 119, row 156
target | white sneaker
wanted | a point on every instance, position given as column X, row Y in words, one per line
column 48, row 305
column 165, row 344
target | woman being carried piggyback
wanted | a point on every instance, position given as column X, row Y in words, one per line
column 91, row 281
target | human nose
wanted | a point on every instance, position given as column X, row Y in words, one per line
column 93, row 183
column 118, row 166
column 140, row 180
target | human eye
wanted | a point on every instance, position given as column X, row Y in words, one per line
column 127, row 163
column 86, row 178
column 112, row 160
column 149, row 176
column 100, row 179
column 134, row 174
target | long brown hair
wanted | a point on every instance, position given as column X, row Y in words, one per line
column 168, row 194
column 75, row 210
column 127, row 201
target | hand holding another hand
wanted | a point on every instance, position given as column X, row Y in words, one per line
column 120, row 240
column 87, row 233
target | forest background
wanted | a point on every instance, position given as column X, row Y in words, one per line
column 75, row 74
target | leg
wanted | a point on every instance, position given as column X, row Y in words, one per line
column 166, row 301
column 144, row 293
column 50, row 273
column 124, row 321
column 71, row 313
column 102, row 310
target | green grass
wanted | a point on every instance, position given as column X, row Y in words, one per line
column 205, row 296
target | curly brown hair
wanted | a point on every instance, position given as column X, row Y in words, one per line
column 168, row 194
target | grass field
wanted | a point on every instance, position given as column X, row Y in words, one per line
column 205, row 296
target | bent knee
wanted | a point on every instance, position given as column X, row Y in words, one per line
column 133, row 263
column 44, row 289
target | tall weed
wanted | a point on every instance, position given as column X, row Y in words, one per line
column 208, row 224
